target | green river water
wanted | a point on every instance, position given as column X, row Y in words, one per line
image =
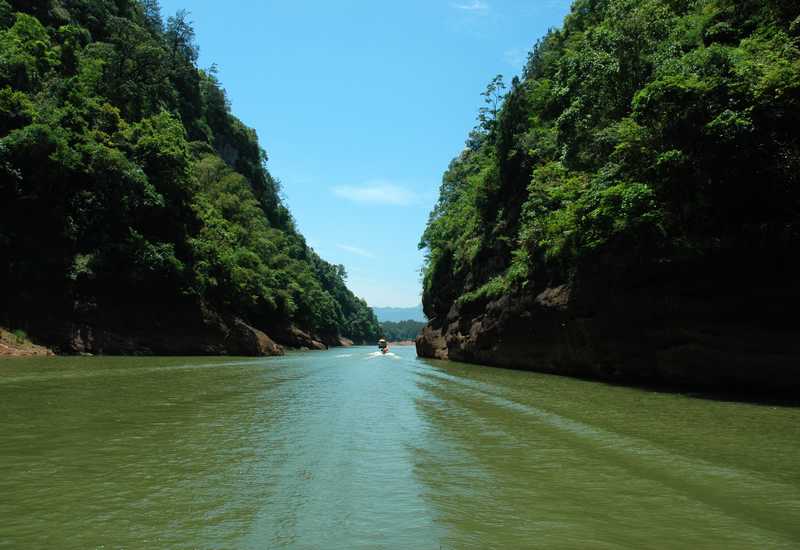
column 345, row 449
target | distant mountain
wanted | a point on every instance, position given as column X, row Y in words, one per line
column 396, row 314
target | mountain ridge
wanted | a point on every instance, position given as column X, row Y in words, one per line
column 397, row 314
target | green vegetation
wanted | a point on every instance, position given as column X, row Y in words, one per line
column 20, row 336
column 124, row 174
column 402, row 330
column 643, row 132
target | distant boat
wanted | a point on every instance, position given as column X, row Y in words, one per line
column 383, row 346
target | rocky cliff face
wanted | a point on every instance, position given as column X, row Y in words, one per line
column 713, row 330
column 18, row 345
column 183, row 327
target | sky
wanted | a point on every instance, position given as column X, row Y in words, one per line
column 361, row 105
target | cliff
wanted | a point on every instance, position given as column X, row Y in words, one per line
column 629, row 209
column 701, row 329
column 137, row 212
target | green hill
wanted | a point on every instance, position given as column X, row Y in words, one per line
column 631, row 205
column 401, row 330
column 132, row 202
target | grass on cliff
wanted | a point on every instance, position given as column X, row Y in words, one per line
column 17, row 343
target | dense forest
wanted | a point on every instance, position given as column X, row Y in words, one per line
column 125, row 181
column 630, row 205
column 644, row 131
column 396, row 331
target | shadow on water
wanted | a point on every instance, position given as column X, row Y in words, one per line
column 558, row 460
column 726, row 392
column 731, row 393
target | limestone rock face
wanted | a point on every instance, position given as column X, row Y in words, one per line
column 333, row 341
column 345, row 342
column 151, row 329
column 294, row 337
column 431, row 344
column 251, row 341
column 704, row 333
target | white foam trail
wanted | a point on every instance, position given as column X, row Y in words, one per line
column 375, row 354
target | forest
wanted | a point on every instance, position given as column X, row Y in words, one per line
column 643, row 133
column 395, row 331
column 125, row 179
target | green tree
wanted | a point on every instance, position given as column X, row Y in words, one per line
column 641, row 134
column 125, row 179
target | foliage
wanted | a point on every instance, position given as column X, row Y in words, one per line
column 641, row 132
column 401, row 330
column 123, row 174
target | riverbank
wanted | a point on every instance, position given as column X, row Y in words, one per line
column 238, row 338
column 17, row 344
column 698, row 329
column 160, row 326
column 402, row 343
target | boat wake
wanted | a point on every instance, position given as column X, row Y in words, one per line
column 375, row 354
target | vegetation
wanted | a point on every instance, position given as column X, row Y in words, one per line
column 17, row 344
column 402, row 330
column 643, row 132
column 123, row 173
column 396, row 314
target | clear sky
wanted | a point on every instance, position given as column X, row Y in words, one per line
column 361, row 105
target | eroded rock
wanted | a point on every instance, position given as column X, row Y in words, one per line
column 698, row 334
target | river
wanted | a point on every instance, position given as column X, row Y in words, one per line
column 346, row 449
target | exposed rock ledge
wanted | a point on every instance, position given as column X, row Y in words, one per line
column 14, row 346
column 179, row 331
column 697, row 336
column 182, row 328
column 293, row 337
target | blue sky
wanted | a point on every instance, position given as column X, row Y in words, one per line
column 361, row 105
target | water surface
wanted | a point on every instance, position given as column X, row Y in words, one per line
column 346, row 449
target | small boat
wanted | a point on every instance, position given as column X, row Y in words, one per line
column 383, row 346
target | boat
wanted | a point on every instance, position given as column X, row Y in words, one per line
column 383, row 346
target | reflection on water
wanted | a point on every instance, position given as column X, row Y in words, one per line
column 353, row 449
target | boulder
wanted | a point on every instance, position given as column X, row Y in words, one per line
column 293, row 337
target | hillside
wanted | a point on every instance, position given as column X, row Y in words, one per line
column 137, row 214
column 401, row 331
column 629, row 208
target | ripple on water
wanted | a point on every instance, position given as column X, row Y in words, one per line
column 365, row 450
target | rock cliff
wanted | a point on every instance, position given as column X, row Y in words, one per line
column 183, row 329
column 707, row 330
column 179, row 327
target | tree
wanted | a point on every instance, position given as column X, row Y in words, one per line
column 152, row 16
column 180, row 37
column 492, row 97
column 643, row 133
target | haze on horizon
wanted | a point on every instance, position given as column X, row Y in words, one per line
column 361, row 108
